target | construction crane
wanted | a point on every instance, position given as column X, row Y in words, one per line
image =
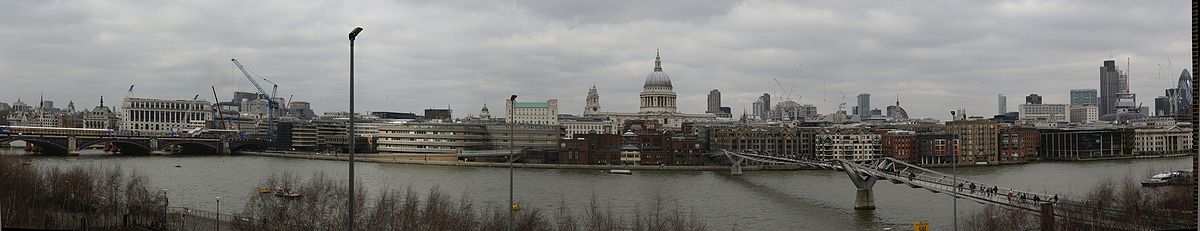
column 217, row 110
column 271, row 104
column 275, row 89
column 786, row 93
column 843, row 104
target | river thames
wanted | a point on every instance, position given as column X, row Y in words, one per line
column 757, row 200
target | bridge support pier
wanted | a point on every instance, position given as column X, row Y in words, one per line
column 864, row 199
column 72, row 146
column 736, row 168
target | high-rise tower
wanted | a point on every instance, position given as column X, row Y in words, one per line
column 714, row 102
column 864, row 105
column 1001, row 104
column 1112, row 83
column 1183, row 98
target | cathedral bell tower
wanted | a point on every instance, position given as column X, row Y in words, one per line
column 593, row 102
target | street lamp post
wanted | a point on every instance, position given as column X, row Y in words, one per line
column 954, row 173
column 512, row 158
column 350, row 200
column 218, row 213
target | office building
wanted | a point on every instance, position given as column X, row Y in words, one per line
column 1112, row 82
column 1085, row 113
column 1183, row 99
column 157, row 115
column 1083, row 143
column 543, row 113
column 1083, row 96
column 1162, row 106
column 714, row 102
column 387, row 115
column 1001, row 104
column 576, row 125
column 762, row 107
column 808, row 111
column 1052, row 113
column 441, row 114
column 1033, row 99
column 864, row 105
column 1163, row 140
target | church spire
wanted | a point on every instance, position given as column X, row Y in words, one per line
column 657, row 61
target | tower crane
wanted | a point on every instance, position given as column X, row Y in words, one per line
column 271, row 104
column 275, row 89
column 843, row 104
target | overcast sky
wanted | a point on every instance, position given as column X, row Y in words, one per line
column 937, row 55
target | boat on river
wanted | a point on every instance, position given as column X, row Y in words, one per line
column 1168, row 178
column 621, row 171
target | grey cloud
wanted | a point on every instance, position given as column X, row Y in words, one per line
column 937, row 55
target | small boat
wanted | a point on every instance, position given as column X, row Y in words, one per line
column 1168, row 178
column 264, row 190
column 286, row 193
column 621, row 171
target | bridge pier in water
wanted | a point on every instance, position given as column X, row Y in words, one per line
column 72, row 146
column 864, row 197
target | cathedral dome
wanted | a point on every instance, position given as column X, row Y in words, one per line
column 658, row 78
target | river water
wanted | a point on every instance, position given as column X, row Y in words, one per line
column 757, row 200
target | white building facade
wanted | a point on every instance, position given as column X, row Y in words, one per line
column 1044, row 113
column 1085, row 113
column 541, row 113
column 855, row 144
column 156, row 115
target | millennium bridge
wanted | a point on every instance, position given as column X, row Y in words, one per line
column 1048, row 207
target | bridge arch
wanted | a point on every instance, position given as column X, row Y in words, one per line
column 247, row 146
column 124, row 146
column 48, row 146
column 195, row 147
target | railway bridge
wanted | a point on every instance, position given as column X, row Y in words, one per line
column 70, row 141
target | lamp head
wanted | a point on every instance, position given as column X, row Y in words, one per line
column 354, row 33
column 513, row 98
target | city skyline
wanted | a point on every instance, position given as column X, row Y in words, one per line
column 79, row 52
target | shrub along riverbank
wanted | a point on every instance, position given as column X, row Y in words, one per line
column 322, row 205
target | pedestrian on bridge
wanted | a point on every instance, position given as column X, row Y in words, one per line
column 1009, row 196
